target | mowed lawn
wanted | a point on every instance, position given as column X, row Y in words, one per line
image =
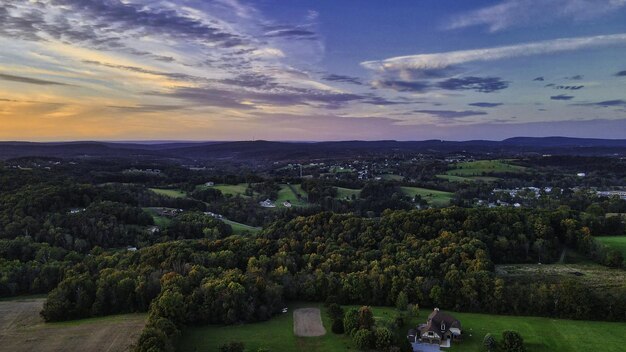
column 614, row 242
column 433, row 197
column 475, row 170
column 173, row 193
column 239, row 228
column 347, row 193
column 540, row 334
column 238, row 189
column 287, row 194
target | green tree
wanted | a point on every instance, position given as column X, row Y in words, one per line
column 512, row 341
column 383, row 338
column 232, row 347
column 364, row 339
column 351, row 321
column 402, row 301
column 489, row 342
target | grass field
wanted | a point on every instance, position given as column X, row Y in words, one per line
column 433, row 197
column 233, row 190
column 540, row 334
column 22, row 329
column 286, row 194
column 476, row 170
column 346, row 193
column 160, row 221
column 614, row 242
column 593, row 276
column 239, row 228
column 173, row 193
column 391, row 177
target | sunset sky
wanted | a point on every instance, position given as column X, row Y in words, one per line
column 311, row 70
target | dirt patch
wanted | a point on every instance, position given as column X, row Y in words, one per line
column 22, row 330
column 307, row 322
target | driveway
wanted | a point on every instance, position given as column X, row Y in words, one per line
column 425, row 347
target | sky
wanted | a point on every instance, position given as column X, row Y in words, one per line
column 311, row 70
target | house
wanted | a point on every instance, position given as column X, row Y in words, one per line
column 581, row 174
column 267, row 204
column 440, row 329
column 287, row 204
column 210, row 184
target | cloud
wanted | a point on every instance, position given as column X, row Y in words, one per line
column 342, row 78
column 291, row 33
column 422, row 62
column 478, row 84
column 402, row 86
column 606, row 103
column 621, row 74
column 539, row 79
column 562, row 97
column 567, row 87
column 146, row 108
column 451, row 114
column 575, row 78
column 28, row 80
column 516, row 13
column 485, row 105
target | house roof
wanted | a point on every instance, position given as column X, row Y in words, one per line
column 437, row 320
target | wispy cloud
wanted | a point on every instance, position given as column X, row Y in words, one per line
column 451, row 114
column 28, row 80
column 485, row 105
column 562, row 97
column 621, row 74
column 516, row 13
column 444, row 60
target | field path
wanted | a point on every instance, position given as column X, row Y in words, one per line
column 23, row 330
column 307, row 322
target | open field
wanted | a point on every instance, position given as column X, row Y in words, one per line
column 540, row 334
column 391, row 177
column 433, row 197
column 476, row 170
column 286, row 194
column 173, row 193
column 589, row 274
column 233, row 190
column 239, row 228
column 614, row 242
column 160, row 221
column 22, row 329
column 346, row 193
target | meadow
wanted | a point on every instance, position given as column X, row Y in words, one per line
column 286, row 193
column 173, row 193
column 540, row 334
column 433, row 197
column 477, row 170
column 614, row 242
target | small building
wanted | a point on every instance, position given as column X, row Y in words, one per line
column 210, row 184
column 287, row 204
column 440, row 329
column 581, row 174
column 267, row 204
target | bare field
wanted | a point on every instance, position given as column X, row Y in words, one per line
column 22, row 329
column 307, row 322
column 592, row 275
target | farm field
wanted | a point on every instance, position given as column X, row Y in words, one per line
column 287, row 194
column 433, row 197
column 592, row 275
column 239, row 228
column 614, row 242
column 540, row 334
column 238, row 189
column 173, row 193
column 160, row 221
column 346, row 193
column 475, row 170
column 22, row 329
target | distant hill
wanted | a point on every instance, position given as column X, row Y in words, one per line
column 268, row 150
